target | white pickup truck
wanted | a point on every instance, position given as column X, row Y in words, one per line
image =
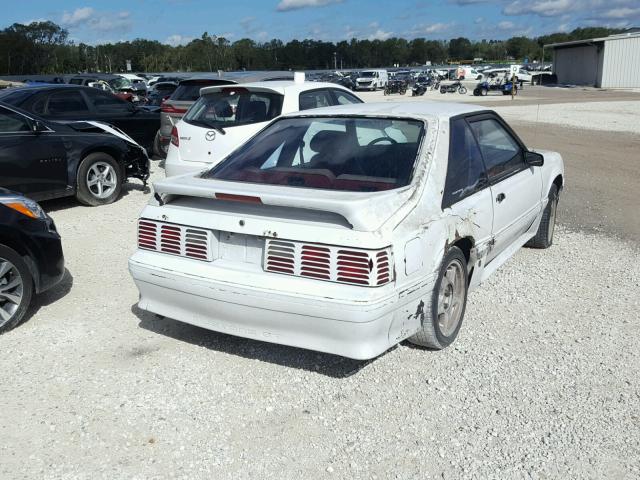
column 347, row 229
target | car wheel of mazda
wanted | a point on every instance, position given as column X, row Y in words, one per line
column 442, row 315
column 100, row 180
column 16, row 288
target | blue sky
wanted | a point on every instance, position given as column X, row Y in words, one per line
column 178, row 21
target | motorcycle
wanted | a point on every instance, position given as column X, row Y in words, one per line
column 395, row 86
column 454, row 87
column 423, row 84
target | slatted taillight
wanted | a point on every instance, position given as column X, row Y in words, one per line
column 280, row 257
column 147, row 235
column 354, row 266
column 174, row 239
column 315, row 262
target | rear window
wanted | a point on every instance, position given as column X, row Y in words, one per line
column 335, row 153
column 189, row 91
column 234, row 106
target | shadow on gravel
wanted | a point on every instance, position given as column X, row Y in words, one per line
column 50, row 296
column 315, row 362
column 57, row 204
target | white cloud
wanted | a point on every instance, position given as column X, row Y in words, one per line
column 287, row 5
column 623, row 12
column 592, row 9
column 543, row 8
column 380, row 35
column 87, row 17
column 430, row 29
column 175, row 40
column 506, row 25
column 78, row 16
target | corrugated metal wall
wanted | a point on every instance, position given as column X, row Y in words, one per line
column 577, row 65
column 621, row 68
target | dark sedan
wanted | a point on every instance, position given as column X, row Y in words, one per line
column 44, row 159
column 75, row 102
column 31, row 259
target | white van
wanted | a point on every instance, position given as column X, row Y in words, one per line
column 469, row 73
column 372, row 80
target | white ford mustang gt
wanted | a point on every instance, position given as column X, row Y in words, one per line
column 347, row 229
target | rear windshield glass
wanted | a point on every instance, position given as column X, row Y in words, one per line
column 335, row 153
column 189, row 91
column 232, row 106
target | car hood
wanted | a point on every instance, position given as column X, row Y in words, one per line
column 364, row 211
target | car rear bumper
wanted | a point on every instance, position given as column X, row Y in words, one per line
column 359, row 329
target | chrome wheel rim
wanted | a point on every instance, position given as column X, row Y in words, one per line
column 101, row 180
column 11, row 291
column 451, row 298
column 552, row 219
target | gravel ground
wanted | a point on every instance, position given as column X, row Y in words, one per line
column 543, row 381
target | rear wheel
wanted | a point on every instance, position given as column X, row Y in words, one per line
column 99, row 179
column 443, row 90
column 544, row 235
column 16, row 288
column 442, row 315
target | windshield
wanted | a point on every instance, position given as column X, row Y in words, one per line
column 335, row 153
column 367, row 74
column 120, row 83
column 234, row 106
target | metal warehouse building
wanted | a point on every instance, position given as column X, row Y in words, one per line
column 608, row 62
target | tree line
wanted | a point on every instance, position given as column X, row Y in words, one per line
column 45, row 48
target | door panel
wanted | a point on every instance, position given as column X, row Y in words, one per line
column 31, row 163
column 516, row 206
column 515, row 187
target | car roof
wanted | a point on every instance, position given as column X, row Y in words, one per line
column 281, row 86
column 422, row 109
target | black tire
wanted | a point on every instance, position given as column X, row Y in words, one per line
column 462, row 90
column 83, row 192
column 10, row 255
column 430, row 334
column 544, row 235
column 443, row 90
column 157, row 147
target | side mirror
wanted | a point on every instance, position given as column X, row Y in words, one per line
column 533, row 159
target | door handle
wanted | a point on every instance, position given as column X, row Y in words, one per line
column 500, row 197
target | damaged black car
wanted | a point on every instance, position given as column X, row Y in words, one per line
column 89, row 160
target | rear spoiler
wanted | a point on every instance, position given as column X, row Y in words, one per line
column 364, row 211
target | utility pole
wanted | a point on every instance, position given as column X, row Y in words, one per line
column 335, row 60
